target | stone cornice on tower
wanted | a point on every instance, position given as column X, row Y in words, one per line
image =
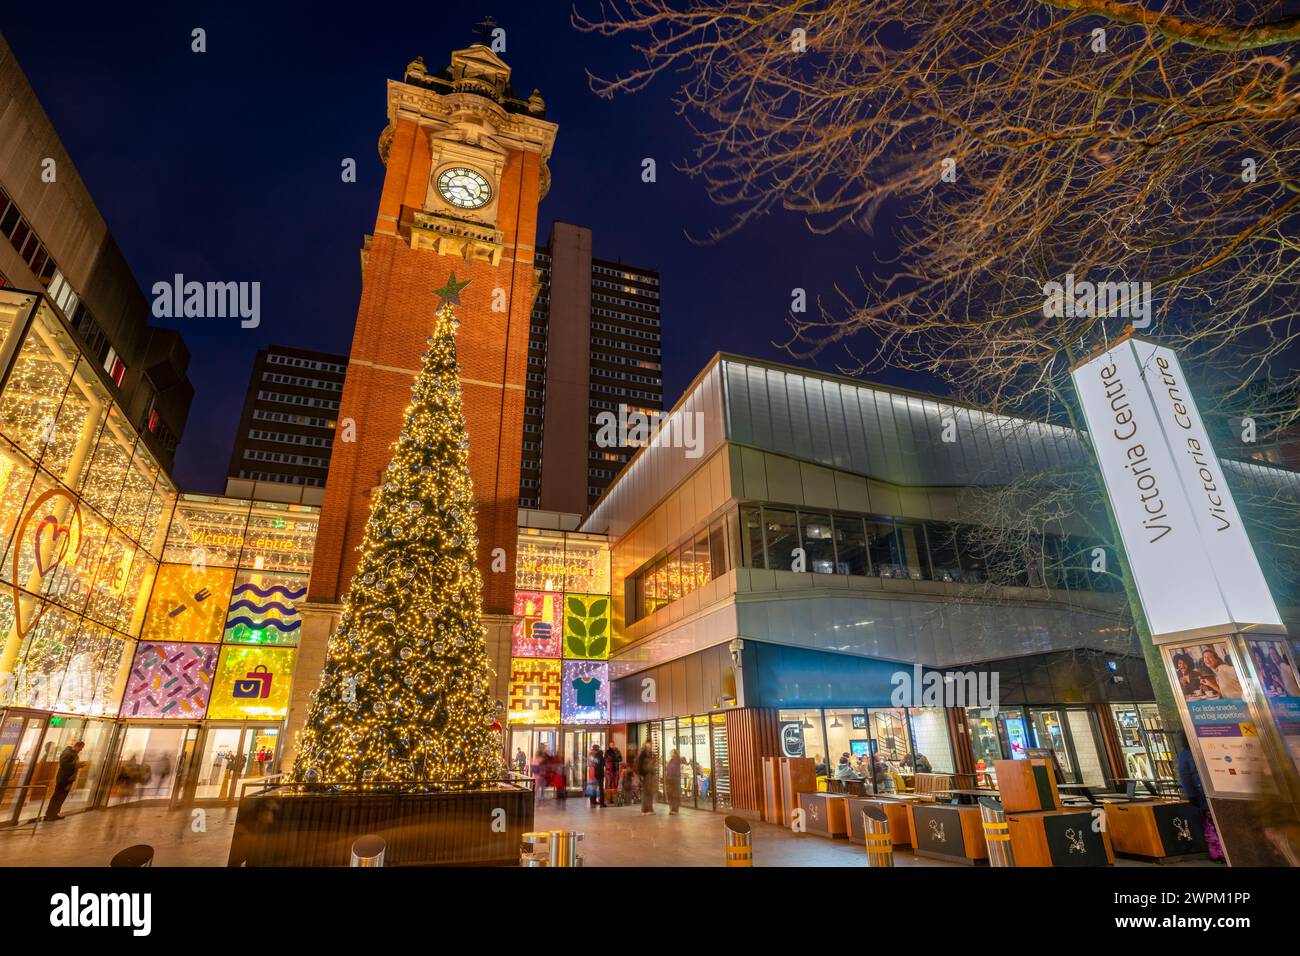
column 472, row 93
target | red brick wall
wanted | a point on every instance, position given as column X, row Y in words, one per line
column 394, row 320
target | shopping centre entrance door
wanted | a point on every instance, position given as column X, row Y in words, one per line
column 231, row 757
column 572, row 743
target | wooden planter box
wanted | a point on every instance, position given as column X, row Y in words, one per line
column 289, row 827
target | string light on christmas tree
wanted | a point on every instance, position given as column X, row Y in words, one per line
column 405, row 695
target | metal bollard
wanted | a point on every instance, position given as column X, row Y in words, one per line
column 139, row 855
column 997, row 833
column 535, row 854
column 564, row 848
column 880, row 845
column 738, row 839
column 368, row 851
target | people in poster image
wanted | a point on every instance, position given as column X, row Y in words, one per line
column 1205, row 673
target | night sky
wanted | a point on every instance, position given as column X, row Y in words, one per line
column 226, row 166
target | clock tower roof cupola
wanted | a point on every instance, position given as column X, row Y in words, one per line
column 477, row 70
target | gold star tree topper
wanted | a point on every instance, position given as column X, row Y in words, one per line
column 450, row 293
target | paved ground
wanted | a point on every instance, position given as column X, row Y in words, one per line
column 91, row 838
column 614, row 836
column 622, row 836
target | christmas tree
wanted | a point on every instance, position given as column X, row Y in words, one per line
column 405, row 692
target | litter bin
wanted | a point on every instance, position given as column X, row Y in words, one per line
column 369, row 851
column 880, row 845
column 738, row 839
column 996, row 832
column 139, row 855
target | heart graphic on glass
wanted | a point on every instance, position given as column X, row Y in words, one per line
column 50, row 543
column 56, row 547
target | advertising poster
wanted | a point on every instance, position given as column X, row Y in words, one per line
column 170, row 680
column 585, row 694
column 586, row 626
column 263, row 608
column 189, row 604
column 534, row 696
column 252, row 682
column 1277, row 675
column 539, row 633
column 1208, row 683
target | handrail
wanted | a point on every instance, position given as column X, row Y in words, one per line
column 34, row 821
column 397, row 787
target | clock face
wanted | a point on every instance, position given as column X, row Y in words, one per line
column 464, row 187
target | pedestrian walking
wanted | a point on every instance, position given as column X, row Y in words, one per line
column 541, row 768
column 64, row 778
column 613, row 761
column 673, row 780
column 596, row 776
column 1189, row 779
column 647, row 768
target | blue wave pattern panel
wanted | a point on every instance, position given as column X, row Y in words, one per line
column 264, row 610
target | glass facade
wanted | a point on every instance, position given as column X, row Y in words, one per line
column 692, row 563
column 559, row 671
column 121, row 599
column 701, row 742
column 83, row 513
column 886, row 547
column 907, row 739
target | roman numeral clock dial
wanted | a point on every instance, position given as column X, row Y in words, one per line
column 464, row 188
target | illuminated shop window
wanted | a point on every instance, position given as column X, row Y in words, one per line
column 36, row 386
column 555, row 561
column 90, row 679
column 49, row 533
column 139, row 487
column 212, row 526
column 15, row 481
column 263, row 608
column 77, row 426
column 123, row 571
column 280, row 538
column 252, row 682
column 12, row 307
column 170, row 680
column 539, row 561
column 189, row 604
column 108, row 467
column 586, row 564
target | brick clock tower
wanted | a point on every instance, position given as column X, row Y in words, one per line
column 466, row 168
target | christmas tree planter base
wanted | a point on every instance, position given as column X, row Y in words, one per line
column 293, row 826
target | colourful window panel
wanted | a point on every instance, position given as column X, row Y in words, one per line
column 263, row 608
column 188, row 605
column 538, row 634
column 170, row 680
column 534, row 691
column 585, row 694
column 586, row 626
column 252, row 682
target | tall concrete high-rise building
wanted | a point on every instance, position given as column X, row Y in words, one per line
column 287, row 428
column 594, row 345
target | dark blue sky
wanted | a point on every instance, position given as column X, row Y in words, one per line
column 225, row 166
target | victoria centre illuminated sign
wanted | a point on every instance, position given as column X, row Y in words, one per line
column 1191, row 559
